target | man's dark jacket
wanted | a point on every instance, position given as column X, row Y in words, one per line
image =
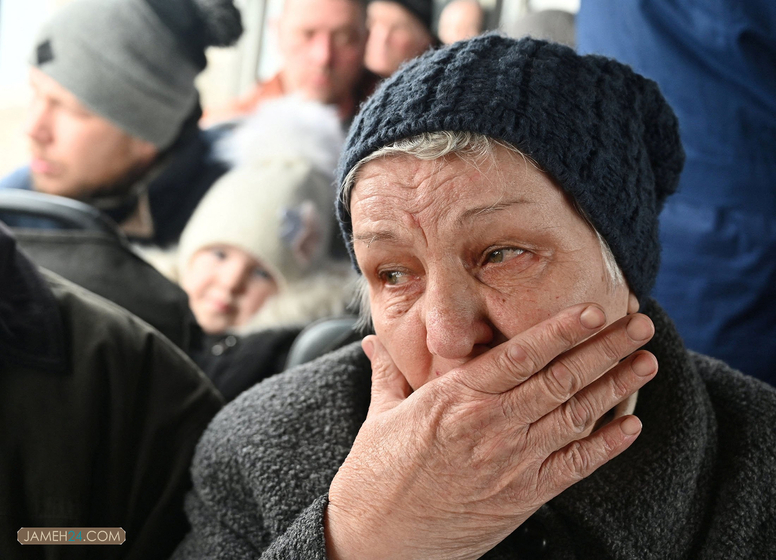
column 99, row 416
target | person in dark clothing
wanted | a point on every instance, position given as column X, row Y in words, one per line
column 500, row 198
column 715, row 63
column 99, row 418
column 114, row 115
column 235, row 363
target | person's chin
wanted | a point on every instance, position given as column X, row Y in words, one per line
column 214, row 325
column 47, row 184
column 320, row 90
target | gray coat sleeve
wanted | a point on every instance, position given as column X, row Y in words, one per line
column 235, row 508
column 262, row 470
column 212, row 537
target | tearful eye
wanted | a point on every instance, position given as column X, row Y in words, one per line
column 503, row 255
column 394, row 277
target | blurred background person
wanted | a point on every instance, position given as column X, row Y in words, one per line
column 254, row 258
column 399, row 30
column 322, row 46
column 114, row 115
column 459, row 20
column 716, row 64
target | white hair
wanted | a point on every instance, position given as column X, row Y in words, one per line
column 475, row 149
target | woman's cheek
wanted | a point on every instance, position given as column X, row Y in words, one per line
column 512, row 313
column 393, row 302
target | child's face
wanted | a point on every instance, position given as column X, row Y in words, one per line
column 226, row 287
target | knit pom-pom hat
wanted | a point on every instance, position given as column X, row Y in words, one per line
column 133, row 62
column 603, row 132
column 276, row 203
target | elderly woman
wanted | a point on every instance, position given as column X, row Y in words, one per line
column 501, row 198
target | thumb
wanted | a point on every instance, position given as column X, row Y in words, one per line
column 389, row 386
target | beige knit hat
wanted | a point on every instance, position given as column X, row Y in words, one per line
column 279, row 211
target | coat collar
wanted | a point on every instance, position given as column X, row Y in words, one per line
column 663, row 480
column 31, row 327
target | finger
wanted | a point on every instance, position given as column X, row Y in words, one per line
column 389, row 386
column 577, row 417
column 579, row 459
column 510, row 364
column 633, row 304
column 577, row 368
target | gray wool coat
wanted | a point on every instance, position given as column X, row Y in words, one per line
column 698, row 483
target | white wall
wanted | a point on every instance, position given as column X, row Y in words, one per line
column 19, row 24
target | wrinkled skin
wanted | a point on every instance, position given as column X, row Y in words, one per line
column 498, row 347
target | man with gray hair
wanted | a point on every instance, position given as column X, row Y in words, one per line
column 321, row 44
column 114, row 115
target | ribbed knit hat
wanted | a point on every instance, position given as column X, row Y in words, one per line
column 603, row 132
column 133, row 62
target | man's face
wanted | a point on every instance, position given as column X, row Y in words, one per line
column 395, row 36
column 460, row 258
column 322, row 43
column 76, row 153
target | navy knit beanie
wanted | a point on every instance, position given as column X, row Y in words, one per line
column 603, row 132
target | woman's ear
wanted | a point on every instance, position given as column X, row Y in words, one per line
column 633, row 303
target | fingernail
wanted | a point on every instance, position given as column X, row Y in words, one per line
column 639, row 328
column 592, row 317
column 631, row 426
column 643, row 365
column 368, row 346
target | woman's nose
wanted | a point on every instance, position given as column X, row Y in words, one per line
column 455, row 319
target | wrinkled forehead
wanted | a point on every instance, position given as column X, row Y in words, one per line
column 431, row 164
column 322, row 14
column 454, row 184
column 461, row 185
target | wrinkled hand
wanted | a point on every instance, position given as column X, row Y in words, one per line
column 450, row 470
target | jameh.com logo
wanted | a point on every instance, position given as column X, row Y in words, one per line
column 71, row 535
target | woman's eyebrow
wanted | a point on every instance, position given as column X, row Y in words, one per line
column 370, row 237
column 478, row 211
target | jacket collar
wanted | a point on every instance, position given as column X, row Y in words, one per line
column 31, row 327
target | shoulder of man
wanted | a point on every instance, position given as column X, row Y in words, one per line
column 244, row 105
column 100, row 331
column 17, row 179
